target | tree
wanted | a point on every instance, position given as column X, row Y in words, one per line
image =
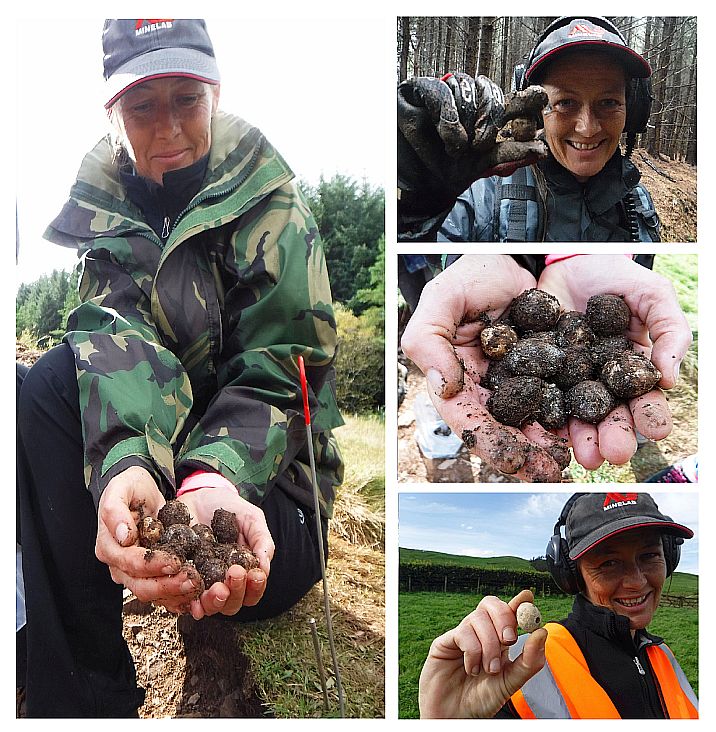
column 41, row 307
column 350, row 219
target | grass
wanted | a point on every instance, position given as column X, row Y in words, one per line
column 280, row 651
column 682, row 270
column 425, row 615
column 420, row 555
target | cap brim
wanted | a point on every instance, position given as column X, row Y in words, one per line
column 627, row 524
column 637, row 66
column 186, row 62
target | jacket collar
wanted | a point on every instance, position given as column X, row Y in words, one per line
column 608, row 624
column 603, row 190
column 242, row 168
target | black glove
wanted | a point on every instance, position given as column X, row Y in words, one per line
column 447, row 139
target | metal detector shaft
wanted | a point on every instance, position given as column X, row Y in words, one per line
column 319, row 533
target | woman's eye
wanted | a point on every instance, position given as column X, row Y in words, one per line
column 564, row 105
column 188, row 100
column 141, row 108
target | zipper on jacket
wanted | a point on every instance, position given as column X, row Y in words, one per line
column 218, row 194
column 165, row 228
column 654, row 690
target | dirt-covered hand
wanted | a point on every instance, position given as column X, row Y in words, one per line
column 442, row 338
column 447, row 137
column 158, row 577
column 468, row 673
column 240, row 587
column 657, row 325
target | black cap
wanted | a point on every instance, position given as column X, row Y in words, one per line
column 585, row 33
column 139, row 50
column 595, row 517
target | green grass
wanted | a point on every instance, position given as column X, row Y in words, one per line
column 362, row 443
column 280, row 651
column 682, row 270
column 419, row 555
column 425, row 615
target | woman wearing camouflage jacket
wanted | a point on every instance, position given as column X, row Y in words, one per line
column 203, row 281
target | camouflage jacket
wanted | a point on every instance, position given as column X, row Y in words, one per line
column 186, row 352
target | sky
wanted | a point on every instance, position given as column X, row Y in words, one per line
column 315, row 85
column 516, row 524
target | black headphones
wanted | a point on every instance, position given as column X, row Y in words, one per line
column 638, row 91
column 564, row 570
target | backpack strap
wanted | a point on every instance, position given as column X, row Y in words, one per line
column 514, row 216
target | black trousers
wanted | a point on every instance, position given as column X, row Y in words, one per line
column 78, row 664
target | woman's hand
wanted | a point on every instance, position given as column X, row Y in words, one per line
column 157, row 577
column 468, row 674
column 443, row 340
column 657, row 324
column 239, row 587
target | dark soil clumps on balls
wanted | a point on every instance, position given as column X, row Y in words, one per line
column 605, row 349
column 552, row 414
column 534, row 357
column 174, row 512
column 224, row 526
column 516, row 400
column 534, row 310
column 629, row 375
column 608, row 314
column 589, row 401
column 562, row 364
column 573, row 330
column 210, row 551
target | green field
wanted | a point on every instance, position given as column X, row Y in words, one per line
column 419, row 555
column 425, row 615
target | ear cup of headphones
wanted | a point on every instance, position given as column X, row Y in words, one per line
column 561, row 567
column 672, row 552
column 638, row 105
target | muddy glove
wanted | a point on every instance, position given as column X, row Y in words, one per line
column 447, row 139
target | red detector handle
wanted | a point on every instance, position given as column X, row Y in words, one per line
column 304, row 389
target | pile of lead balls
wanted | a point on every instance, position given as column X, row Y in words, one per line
column 211, row 549
column 547, row 365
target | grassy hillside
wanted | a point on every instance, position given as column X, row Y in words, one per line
column 418, row 555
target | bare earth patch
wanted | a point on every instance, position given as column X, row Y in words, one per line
column 675, row 199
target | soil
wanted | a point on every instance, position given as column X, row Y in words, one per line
column 675, row 200
column 198, row 669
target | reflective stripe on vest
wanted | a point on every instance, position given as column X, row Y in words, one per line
column 564, row 688
column 679, row 697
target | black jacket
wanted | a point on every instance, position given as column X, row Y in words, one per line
column 513, row 209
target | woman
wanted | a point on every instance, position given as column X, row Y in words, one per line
column 203, row 281
column 600, row 662
column 584, row 189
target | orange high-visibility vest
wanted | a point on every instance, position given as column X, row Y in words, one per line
column 564, row 688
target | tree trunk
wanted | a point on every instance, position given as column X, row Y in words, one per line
column 473, row 40
column 487, row 30
column 505, row 74
column 404, row 47
column 449, row 40
column 660, row 83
